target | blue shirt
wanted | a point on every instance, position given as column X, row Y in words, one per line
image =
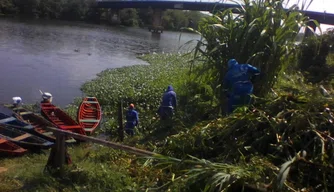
column 169, row 97
column 239, row 73
column 131, row 118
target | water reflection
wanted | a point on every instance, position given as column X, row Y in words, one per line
column 155, row 36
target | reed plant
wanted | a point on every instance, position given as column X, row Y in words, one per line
column 262, row 33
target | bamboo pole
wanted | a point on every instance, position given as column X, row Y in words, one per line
column 103, row 142
column 120, row 121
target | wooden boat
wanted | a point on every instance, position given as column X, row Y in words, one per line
column 9, row 148
column 11, row 120
column 89, row 114
column 60, row 119
column 37, row 121
column 22, row 138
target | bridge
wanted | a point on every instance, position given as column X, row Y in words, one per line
column 196, row 5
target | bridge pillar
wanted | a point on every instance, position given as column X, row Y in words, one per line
column 114, row 16
column 308, row 32
column 156, row 21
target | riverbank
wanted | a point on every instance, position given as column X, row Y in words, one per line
column 240, row 150
column 93, row 164
column 88, row 11
column 61, row 22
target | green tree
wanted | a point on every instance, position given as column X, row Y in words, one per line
column 129, row 17
column 145, row 16
column 28, row 7
column 177, row 19
column 313, row 56
column 50, row 8
column 87, row 10
column 75, row 9
column 7, row 7
column 195, row 17
column 174, row 19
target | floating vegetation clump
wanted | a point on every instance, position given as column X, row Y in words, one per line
column 143, row 84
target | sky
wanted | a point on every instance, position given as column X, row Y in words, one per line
column 316, row 5
column 319, row 6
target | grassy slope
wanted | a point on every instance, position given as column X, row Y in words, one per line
column 101, row 169
column 95, row 167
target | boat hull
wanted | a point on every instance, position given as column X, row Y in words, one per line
column 23, row 139
column 12, row 120
column 89, row 114
column 38, row 122
column 9, row 148
column 60, row 119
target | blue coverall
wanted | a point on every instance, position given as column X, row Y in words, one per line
column 238, row 85
column 168, row 103
column 131, row 121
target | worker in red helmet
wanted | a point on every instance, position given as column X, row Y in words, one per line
column 132, row 120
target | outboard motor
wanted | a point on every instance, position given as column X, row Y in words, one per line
column 16, row 101
column 47, row 97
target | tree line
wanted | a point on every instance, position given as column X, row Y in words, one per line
column 86, row 10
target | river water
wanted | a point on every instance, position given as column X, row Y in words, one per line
column 58, row 57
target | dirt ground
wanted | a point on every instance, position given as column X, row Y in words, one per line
column 3, row 169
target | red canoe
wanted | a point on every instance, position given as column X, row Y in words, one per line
column 9, row 148
column 89, row 114
column 60, row 119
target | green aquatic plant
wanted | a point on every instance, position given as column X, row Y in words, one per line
column 144, row 85
column 252, row 149
column 264, row 137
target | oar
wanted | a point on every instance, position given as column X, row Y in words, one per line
column 41, row 92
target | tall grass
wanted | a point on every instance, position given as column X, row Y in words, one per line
column 263, row 33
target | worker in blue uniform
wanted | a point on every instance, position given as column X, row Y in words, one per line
column 237, row 84
column 132, row 120
column 168, row 104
